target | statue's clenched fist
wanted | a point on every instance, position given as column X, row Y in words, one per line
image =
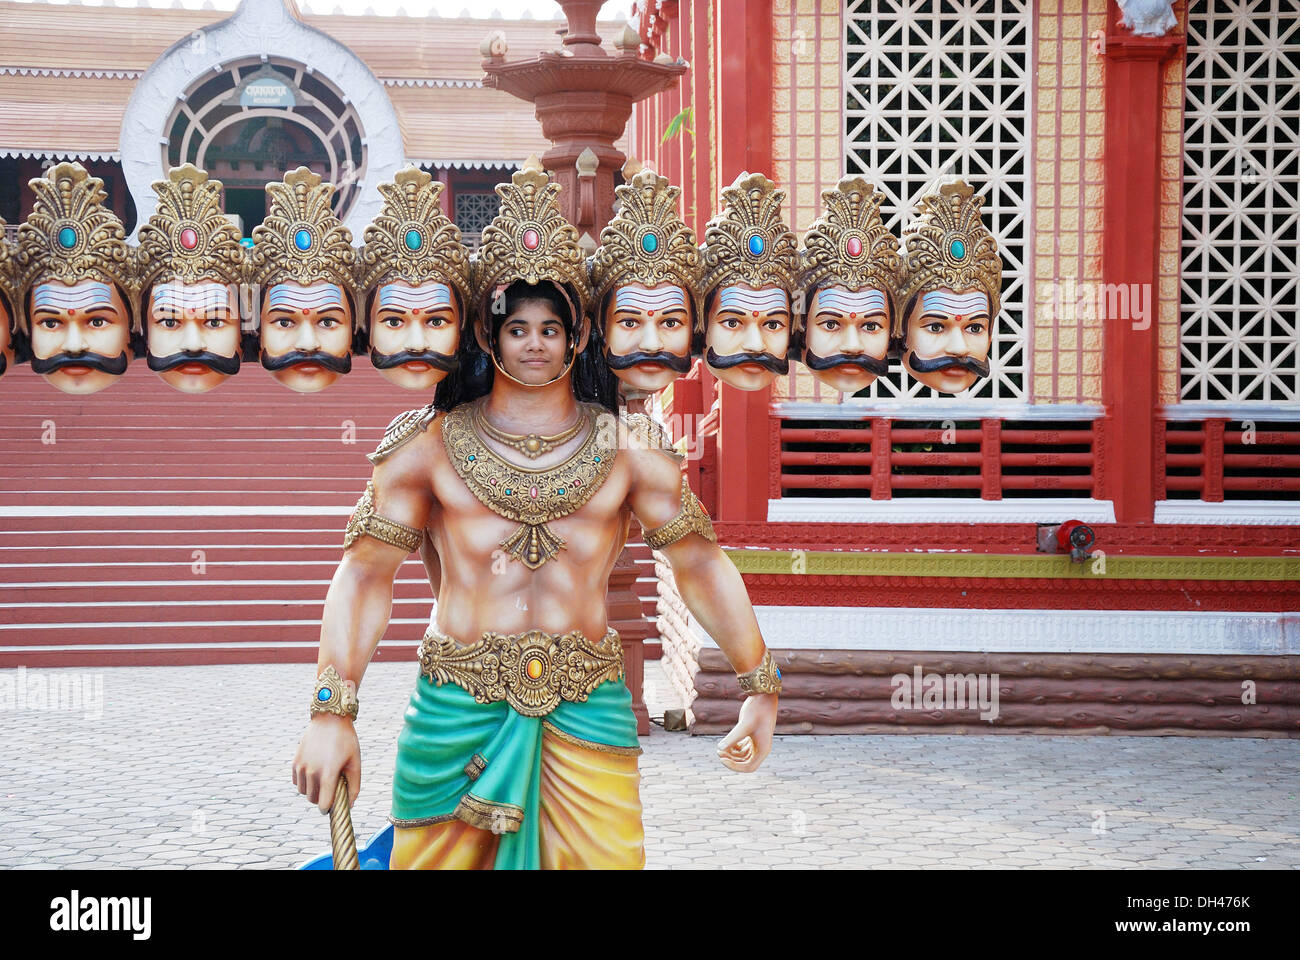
column 328, row 748
column 750, row 740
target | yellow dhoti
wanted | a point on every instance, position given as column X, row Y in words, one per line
column 589, row 818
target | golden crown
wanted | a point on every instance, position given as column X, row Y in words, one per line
column 9, row 272
column 412, row 239
column 70, row 236
column 530, row 240
column 189, row 238
column 947, row 246
column 301, row 239
column 850, row 245
column 748, row 242
column 647, row 242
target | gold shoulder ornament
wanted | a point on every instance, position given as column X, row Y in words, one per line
column 364, row 522
column 646, row 433
column 692, row 519
column 403, row 428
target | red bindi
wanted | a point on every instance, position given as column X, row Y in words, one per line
column 853, row 316
column 649, row 313
column 755, row 313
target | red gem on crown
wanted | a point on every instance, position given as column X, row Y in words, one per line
column 531, row 239
column 189, row 238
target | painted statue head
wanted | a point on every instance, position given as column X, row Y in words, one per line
column 191, row 265
column 414, row 271
column 751, row 262
column 304, row 261
column 80, row 282
column 950, row 291
column 530, row 244
column 645, row 275
column 850, row 275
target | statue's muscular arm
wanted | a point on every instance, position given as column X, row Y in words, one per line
column 712, row 589
column 357, row 608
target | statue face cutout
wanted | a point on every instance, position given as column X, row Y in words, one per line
column 414, row 333
column 80, row 334
column 948, row 339
column 747, row 335
column 648, row 335
column 6, row 339
column 847, row 339
column 306, row 335
column 193, row 334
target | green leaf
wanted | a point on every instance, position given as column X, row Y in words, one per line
column 679, row 123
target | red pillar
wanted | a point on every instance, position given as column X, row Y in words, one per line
column 744, row 125
column 1131, row 230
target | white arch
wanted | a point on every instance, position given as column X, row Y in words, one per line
column 259, row 28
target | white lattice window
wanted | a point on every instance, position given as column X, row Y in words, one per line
column 1241, row 194
column 940, row 87
column 474, row 211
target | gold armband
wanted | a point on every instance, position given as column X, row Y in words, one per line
column 691, row 519
column 334, row 695
column 764, row 678
column 365, row 522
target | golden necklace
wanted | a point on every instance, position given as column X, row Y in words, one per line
column 531, row 445
column 530, row 496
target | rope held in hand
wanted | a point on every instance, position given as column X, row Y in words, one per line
column 342, row 838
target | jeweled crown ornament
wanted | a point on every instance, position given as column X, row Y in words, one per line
column 947, row 246
column 412, row 240
column 189, row 239
column 301, row 239
column 9, row 276
column 647, row 242
column 530, row 240
column 849, row 245
column 71, row 236
column 748, row 242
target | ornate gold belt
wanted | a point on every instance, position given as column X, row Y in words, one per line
column 531, row 671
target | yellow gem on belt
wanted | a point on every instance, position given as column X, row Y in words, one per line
column 535, row 666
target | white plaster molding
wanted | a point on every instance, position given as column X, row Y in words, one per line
column 938, row 510
column 1198, row 410
column 259, row 28
column 1026, row 631
column 59, row 154
column 1264, row 513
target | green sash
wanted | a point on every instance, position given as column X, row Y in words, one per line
column 481, row 762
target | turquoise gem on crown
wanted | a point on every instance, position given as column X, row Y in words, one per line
column 67, row 238
column 650, row 243
column 958, row 250
column 756, row 245
column 302, row 239
column 413, row 240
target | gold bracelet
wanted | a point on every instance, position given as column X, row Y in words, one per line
column 764, row 678
column 334, row 695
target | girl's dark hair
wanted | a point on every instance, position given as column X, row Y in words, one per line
column 593, row 381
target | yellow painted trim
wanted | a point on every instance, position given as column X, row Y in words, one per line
column 1007, row 566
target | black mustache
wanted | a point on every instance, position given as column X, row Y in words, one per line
column 213, row 361
column 439, row 361
column 295, row 358
column 114, row 365
column 621, row 361
column 3, row 363
column 976, row 366
column 766, row 360
column 870, row 364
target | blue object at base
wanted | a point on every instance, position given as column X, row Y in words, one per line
column 373, row 856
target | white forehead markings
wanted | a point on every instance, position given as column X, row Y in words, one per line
column 764, row 301
column 194, row 296
column 424, row 297
column 87, row 295
column 316, row 297
column 660, row 298
column 864, row 301
column 965, row 304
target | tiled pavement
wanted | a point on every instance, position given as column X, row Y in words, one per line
column 189, row 767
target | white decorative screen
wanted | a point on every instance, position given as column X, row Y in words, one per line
column 938, row 87
column 1241, row 198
